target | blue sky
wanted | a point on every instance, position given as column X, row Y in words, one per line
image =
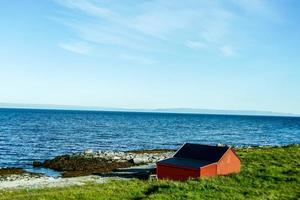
column 234, row 54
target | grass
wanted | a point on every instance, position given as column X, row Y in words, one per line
column 267, row 173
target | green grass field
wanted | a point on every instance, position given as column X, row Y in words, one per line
column 267, row 173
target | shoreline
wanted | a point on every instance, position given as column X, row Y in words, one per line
column 87, row 166
column 92, row 162
column 90, row 153
column 140, row 168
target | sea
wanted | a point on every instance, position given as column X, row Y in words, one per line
column 35, row 134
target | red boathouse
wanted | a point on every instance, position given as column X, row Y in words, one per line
column 196, row 160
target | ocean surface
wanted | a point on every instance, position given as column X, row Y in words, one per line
column 27, row 135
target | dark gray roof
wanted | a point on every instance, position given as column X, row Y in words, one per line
column 183, row 162
column 201, row 152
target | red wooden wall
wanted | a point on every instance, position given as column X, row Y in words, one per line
column 209, row 170
column 176, row 173
column 229, row 163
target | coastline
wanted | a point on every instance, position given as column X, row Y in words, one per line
column 88, row 166
column 46, row 134
column 267, row 173
column 137, row 164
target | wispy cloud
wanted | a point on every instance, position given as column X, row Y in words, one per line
column 227, row 50
column 145, row 25
column 109, row 35
column 88, row 7
column 75, row 47
column 195, row 44
column 259, row 8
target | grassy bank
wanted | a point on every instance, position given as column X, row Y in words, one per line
column 267, row 173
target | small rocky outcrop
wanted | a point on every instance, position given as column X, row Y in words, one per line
column 12, row 170
column 10, row 174
column 90, row 162
column 135, row 157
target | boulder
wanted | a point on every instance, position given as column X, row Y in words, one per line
column 88, row 151
column 116, row 158
column 140, row 160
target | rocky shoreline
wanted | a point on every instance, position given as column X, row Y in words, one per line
column 101, row 162
column 136, row 157
column 89, row 165
column 11, row 174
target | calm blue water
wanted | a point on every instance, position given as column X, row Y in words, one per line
column 27, row 135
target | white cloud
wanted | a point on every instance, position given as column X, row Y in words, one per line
column 156, row 19
column 227, row 50
column 87, row 7
column 145, row 25
column 195, row 44
column 76, row 47
column 158, row 23
column 110, row 35
column 262, row 9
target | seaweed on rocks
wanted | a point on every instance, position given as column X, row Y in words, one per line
column 73, row 166
column 90, row 162
column 11, row 171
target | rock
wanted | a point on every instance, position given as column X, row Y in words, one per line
column 108, row 155
column 116, row 158
column 89, row 161
column 122, row 161
column 121, row 153
column 11, row 171
column 72, row 166
column 140, row 160
column 127, row 157
column 37, row 163
column 88, row 151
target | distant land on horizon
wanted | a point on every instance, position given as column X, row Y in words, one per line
column 159, row 110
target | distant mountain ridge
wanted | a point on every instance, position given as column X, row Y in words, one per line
column 227, row 112
column 159, row 110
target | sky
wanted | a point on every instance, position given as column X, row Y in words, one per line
column 209, row 54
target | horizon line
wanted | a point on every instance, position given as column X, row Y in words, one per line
column 174, row 110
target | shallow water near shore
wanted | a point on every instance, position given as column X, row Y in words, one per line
column 27, row 135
